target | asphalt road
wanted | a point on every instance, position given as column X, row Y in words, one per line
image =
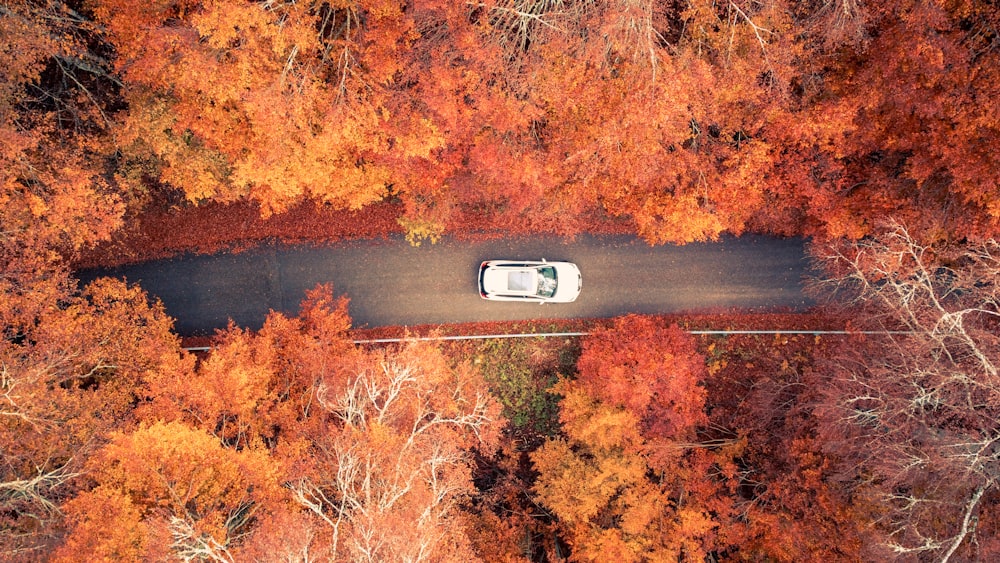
column 390, row 282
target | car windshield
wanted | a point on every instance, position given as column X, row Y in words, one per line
column 546, row 281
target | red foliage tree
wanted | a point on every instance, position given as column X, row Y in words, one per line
column 614, row 480
column 652, row 371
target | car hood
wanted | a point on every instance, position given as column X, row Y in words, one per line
column 569, row 278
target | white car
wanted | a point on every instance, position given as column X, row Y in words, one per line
column 539, row 282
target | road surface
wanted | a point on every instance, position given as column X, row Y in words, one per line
column 390, row 282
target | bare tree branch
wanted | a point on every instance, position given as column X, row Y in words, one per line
column 921, row 407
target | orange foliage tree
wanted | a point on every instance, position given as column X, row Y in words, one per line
column 53, row 141
column 371, row 450
column 168, row 489
column 68, row 360
column 67, row 378
column 615, row 479
column 57, row 99
column 275, row 102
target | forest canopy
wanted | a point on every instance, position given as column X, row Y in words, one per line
column 871, row 127
column 686, row 119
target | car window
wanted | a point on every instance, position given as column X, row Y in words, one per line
column 520, row 280
column 546, row 281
